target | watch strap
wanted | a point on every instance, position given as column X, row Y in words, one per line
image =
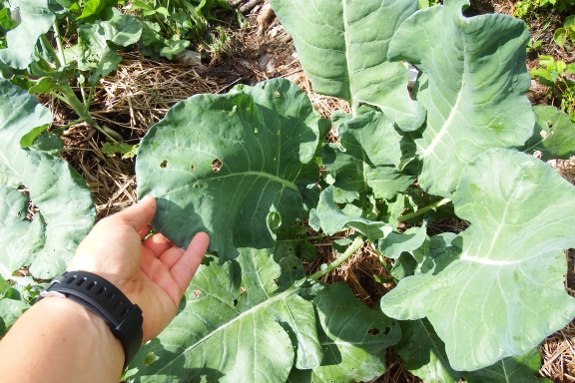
column 104, row 299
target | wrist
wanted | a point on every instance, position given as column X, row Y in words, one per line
column 57, row 338
column 106, row 301
column 81, row 320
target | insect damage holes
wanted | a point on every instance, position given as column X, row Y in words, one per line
column 216, row 165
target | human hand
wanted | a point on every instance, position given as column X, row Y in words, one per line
column 153, row 274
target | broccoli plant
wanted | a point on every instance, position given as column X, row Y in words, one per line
column 245, row 167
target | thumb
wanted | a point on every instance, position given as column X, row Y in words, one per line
column 140, row 214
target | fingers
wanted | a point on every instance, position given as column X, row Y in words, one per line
column 184, row 269
column 142, row 233
column 140, row 214
column 158, row 244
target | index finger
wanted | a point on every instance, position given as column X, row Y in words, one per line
column 184, row 269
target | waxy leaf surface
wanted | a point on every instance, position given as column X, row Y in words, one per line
column 236, row 325
column 60, row 193
column 331, row 219
column 474, row 90
column 505, row 292
column 19, row 239
column 36, row 19
column 343, row 44
column 237, row 166
column 554, row 134
column 424, row 356
column 98, row 42
column 354, row 339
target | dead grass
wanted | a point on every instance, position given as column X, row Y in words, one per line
column 140, row 93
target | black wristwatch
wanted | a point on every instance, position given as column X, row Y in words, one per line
column 105, row 300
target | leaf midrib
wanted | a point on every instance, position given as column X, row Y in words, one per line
column 271, row 177
column 255, row 308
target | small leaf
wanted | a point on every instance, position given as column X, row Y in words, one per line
column 554, row 134
column 394, row 244
column 332, row 220
column 95, row 53
column 94, row 8
column 560, row 36
column 127, row 150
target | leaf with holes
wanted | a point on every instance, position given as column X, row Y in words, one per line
column 52, row 185
column 19, row 238
column 331, row 219
column 236, row 324
column 343, row 48
column 473, row 87
column 244, row 321
column 423, row 354
column 237, row 166
column 554, row 134
column 505, row 291
column 354, row 339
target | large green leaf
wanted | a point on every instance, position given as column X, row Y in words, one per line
column 343, row 46
column 423, row 354
column 61, row 194
column 475, row 80
column 265, row 140
column 37, row 19
column 554, row 134
column 354, row 339
column 10, row 311
column 505, row 292
column 235, row 325
column 19, row 239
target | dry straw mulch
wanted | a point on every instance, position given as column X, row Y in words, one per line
column 140, row 93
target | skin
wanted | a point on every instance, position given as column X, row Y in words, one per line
column 58, row 340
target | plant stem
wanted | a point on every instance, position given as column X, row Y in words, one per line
column 69, row 97
column 59, row 43
column 89, row 102
column 52, row 51
column 384, row 264
column 424, row 210
column 356, row 244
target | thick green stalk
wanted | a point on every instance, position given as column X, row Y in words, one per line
column 69, row 97
column 424, row 210
column 59, row 43
column 355, row 245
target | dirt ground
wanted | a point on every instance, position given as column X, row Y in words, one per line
column 142, row 90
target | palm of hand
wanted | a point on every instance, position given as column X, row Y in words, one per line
column 153, row 274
